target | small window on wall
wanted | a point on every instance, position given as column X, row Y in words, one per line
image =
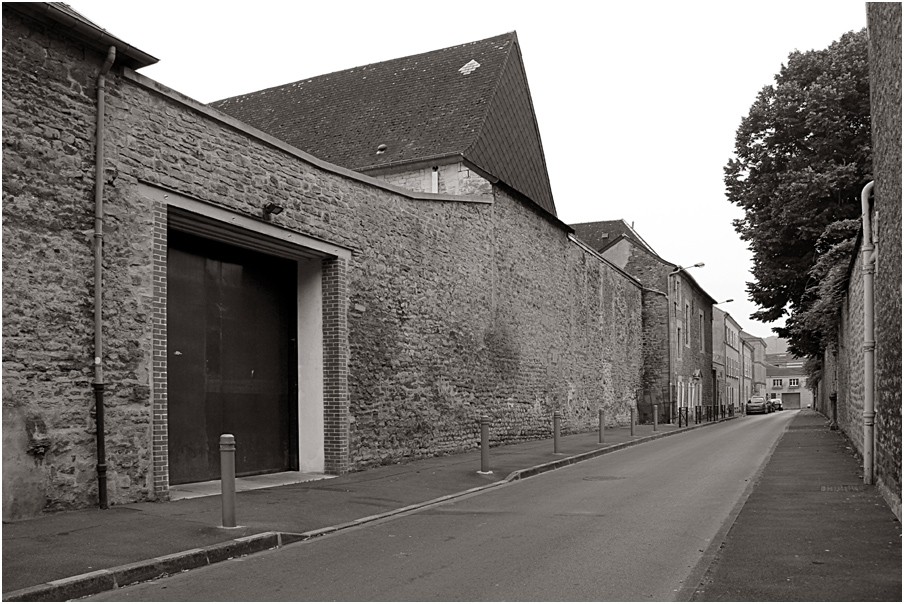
column 776, row 383
column 793, row 382
column 687, row 324
column 702, row 338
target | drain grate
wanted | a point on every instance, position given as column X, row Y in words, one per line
column 602, row 478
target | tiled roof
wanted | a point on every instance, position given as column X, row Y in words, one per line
column 602, row 234
column 470, row 101
column 60, row 14
column 784, row 359
column 775, row 371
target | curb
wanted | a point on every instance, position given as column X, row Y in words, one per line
column 99, row 581
column 567, row 461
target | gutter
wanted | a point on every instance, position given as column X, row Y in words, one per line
column 868, row 251
column 84, row 30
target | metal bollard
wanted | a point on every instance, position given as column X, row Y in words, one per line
column 602, row 424
column 227, row 478
column 556, row 418
column 485, row 445
column 632, row 421
column 655, row 418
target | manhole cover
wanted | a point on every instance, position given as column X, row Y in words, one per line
column 601, row 478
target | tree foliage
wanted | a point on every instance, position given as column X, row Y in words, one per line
column 815, row 327
column 802, row 156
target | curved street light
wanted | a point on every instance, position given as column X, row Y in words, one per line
column 682, row 268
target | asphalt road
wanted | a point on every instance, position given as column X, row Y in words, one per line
column 631, row 525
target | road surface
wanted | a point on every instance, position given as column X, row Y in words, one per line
column 630, row 525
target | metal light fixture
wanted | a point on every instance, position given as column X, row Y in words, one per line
column 681, row 268
column 273, row 209
column 724, row 301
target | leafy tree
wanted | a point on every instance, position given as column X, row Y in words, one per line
column 816, row 328
column 802, row 156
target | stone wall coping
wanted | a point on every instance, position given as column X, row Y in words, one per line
column 601, row 258
column 231, row 122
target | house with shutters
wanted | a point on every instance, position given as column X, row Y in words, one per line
column 172, row 272
column 786, row 379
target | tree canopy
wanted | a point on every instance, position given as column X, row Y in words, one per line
column 802, row 156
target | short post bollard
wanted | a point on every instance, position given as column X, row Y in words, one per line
column 655, row 418
column 227, row 478
column 632, row 421
column 556, row 419
column 602, row 424
column 485, row 445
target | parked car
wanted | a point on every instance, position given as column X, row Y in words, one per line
column 757, row 404
column 777, row 404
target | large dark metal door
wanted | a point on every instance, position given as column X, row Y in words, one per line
column 230, row 358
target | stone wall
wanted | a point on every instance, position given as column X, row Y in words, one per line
column 48, row 183
column 885, row 90
column 849, row 364
column 452, row 179
column 453, row 309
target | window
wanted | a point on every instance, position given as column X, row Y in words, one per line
column 777, row 383
column 702, row 334
column 793, row 382
column 687, row 323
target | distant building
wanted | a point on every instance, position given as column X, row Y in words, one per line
column 733, row 367
column 758, row 362
column 677, row 320
column 786, row 379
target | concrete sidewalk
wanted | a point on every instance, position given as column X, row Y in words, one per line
column 810, row 530
column 75, row 554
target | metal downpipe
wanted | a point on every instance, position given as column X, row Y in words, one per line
column 98, row 284
column 869, row 337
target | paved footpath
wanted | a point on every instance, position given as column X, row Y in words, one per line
column 810, row 529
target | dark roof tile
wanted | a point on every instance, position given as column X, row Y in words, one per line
column 421, row 107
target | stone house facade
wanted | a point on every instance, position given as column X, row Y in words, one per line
column 732, row 396
column 402, row 316
column 786, row 379
column 677, row 321
column 844, row 366
column 757, row 363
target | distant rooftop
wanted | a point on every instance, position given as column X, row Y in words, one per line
column 600, row 235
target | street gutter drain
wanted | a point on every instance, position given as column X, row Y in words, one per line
column 602, row 478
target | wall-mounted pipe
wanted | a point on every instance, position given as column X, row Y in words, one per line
column 98, row 283
column 869, row 337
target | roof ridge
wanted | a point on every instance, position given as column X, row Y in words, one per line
column 351, row 69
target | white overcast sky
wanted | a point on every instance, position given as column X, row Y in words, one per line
column 637, row 102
